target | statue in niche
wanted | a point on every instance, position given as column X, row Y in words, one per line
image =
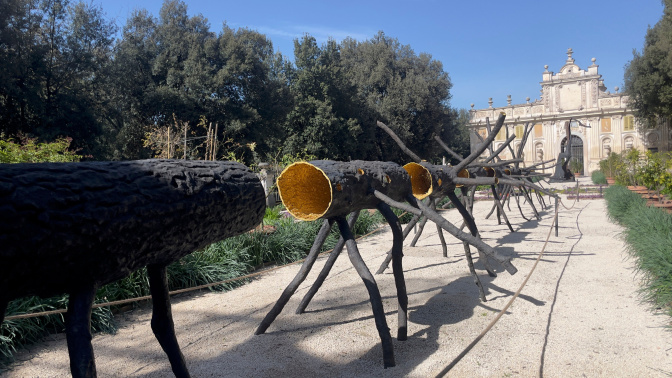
column 606, row 147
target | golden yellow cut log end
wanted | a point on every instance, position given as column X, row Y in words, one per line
column 421, row 180
column 305, row 190
column 463, row 174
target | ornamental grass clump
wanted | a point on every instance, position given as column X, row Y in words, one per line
column 598, row 177
column 648, row 236
column 620, row 202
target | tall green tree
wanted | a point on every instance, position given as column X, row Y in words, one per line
column 648, row 76
column 326, row 118
column 53, row 54
column 21, row 65
column 250, row 96
column 408, row 92
column 133, row 88
column 175, row 65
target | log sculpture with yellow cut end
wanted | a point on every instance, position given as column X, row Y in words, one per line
column 330, row 190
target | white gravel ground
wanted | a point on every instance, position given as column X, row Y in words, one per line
column 579, row 315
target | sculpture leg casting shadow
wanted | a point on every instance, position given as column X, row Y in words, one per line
column 407, row 230
column 78, row 332
column 375, row 298
column 162, row 319
column 467, row 249
column 326, row 268
column 397, row 269
column 372, row 288
column 298, row 279
column 421, row 227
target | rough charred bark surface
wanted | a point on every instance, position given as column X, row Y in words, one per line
column 325, row 189
column 69, row 225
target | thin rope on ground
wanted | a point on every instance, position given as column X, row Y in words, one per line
column 565, row 206
column 180, row 291
column 555, row 295
column 499, row 315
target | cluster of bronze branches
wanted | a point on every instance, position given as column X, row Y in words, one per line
column 331, row 190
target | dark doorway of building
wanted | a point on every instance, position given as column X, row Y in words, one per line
column 576, row 162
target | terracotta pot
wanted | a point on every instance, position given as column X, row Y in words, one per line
column 638, row 187
column 665, row 205
column 652, row 196
column 610, row 180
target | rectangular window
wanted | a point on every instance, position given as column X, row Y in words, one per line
column 538, row 130
column 501, row 135
column 628, row 123
column 605, row 125
column 519, row 130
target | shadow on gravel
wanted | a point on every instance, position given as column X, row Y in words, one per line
column 281, row 351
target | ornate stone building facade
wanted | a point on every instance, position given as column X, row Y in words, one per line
column 578, row 96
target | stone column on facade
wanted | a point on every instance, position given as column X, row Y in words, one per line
column 617, row 131
column 551, row 139
column 594, row 134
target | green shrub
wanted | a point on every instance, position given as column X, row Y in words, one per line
column 653, row 172
column 29, row 151
column 598, row 177
column 273, row 213
column 611, row 164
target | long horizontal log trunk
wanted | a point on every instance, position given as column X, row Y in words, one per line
column 324, row 189
column 69, row 225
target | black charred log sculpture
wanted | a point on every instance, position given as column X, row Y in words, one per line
column 435, row 182
column 511, row 170
column 72, row 227
column 438, row 181
column 331, row 190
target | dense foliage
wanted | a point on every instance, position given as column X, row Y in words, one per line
column 650, row 169
column 648, row 235
column 27, row 150
column 648, row 76
column 164, row 84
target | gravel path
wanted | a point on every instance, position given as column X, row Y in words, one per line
column 579, row 315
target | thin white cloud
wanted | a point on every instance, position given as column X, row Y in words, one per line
column 321, row 34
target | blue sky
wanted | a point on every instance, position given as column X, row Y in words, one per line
column 489, row 48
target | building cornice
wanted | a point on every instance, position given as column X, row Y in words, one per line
column 566, row 116
column 564, row 80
